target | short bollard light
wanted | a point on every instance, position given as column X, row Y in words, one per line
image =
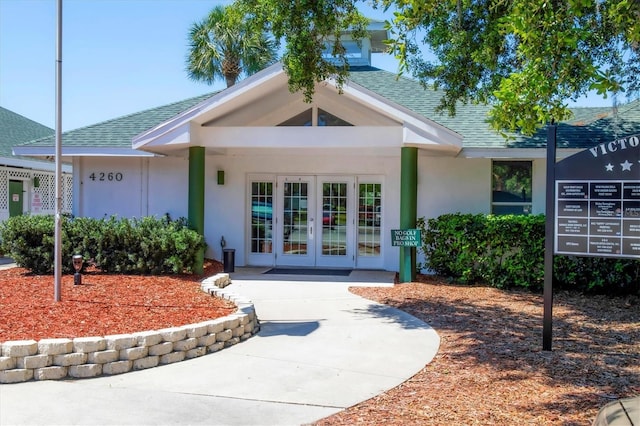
column 77, row 265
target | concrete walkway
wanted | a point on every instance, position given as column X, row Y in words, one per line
column 321, row 349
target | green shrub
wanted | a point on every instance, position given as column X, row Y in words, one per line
column 508, row 251
column 499, row 250
column 597, row 274
column 29, row 241
column 138, row 246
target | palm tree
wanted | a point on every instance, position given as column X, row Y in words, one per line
column 222, row 46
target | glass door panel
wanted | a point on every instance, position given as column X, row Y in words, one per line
column 369, row 219
column 261, row 224
column 335, row 241
column 297, row 221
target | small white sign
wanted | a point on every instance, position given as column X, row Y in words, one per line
column 15, row 198
column 36, row 203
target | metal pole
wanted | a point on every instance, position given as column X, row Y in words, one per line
column 549, row 237
column 57, row 267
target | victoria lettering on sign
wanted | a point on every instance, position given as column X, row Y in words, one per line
column 598, row 201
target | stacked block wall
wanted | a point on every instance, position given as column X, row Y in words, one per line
column 81, row 357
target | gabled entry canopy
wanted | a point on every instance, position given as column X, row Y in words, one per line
column 257, row 113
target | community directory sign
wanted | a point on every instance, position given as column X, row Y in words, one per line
column 598, row 201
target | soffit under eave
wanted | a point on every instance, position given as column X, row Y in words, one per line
column 432, row 139
column 217, row 101
column 412, row 121
column 276, row 105
column 273, row 81
column 238, row 109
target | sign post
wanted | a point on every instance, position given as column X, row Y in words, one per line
column 547, row 324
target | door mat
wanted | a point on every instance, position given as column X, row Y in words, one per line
column 307, row 271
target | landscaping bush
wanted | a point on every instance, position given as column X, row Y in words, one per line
column 137, row 246
column 29, row 241
column 508, row 251
column 597, row 274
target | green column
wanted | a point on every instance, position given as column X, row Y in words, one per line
column 408, row 209
column 196, row 198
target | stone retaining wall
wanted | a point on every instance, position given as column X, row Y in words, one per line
column 54, row 359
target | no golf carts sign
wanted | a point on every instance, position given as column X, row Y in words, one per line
column 405, row 238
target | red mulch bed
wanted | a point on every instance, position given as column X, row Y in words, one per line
column 104, row 304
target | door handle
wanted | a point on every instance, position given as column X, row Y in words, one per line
column 311, row 229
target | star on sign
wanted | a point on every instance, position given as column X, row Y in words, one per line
column 609, row 167
column 626, row 165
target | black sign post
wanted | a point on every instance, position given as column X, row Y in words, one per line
column 593, row 204
column 547, row 324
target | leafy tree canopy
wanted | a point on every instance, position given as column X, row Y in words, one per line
column 526, row 58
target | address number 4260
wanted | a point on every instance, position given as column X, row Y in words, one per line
column 106, row 176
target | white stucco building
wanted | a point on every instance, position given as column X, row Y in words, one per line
column 288, row 183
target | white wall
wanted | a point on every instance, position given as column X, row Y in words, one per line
column 225, row 205
column 450, row 185
column 155, row 186
column 168, row 186
column 108, row 186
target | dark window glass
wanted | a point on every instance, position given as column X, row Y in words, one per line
column 302, row 119
column 511, row 183
column 328, row 119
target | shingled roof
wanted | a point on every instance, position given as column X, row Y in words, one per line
column 16, row 129
column 590, row 126
column 118, row 132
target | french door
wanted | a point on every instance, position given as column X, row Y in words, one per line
column 315, row 221
column 296, row 224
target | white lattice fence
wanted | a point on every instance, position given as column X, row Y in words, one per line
column 44, row 191
column 67, row 193
column 4, row 190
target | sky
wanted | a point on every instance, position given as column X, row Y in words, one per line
column 118, row 57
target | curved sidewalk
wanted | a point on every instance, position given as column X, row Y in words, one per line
column 320, row 349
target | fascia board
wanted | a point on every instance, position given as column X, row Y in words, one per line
column 30, row 164
column 430, row 138
column 75, row 151
column 401, row 113
column 514, row 153
column 207, row 105
column 179, row 134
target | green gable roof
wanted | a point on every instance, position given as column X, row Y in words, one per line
column 588, row 127
column 16, row 129
column 118, row 132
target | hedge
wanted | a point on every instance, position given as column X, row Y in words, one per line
column 147, row 245
column 508, row 251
